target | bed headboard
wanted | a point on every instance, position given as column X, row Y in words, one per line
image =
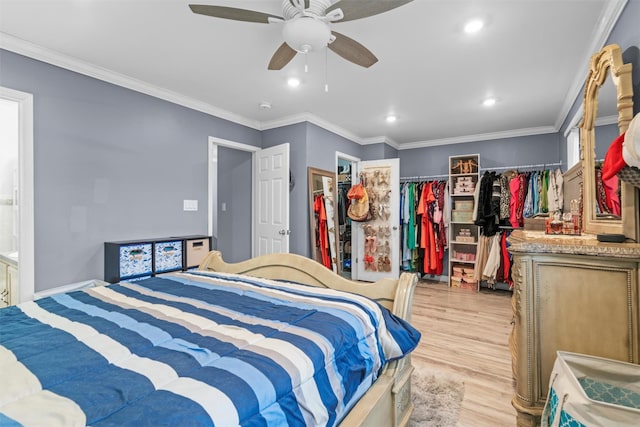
column 396, row 295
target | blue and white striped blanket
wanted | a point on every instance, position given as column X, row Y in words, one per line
column 195, row 349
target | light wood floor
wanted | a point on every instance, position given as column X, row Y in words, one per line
column 467, row 332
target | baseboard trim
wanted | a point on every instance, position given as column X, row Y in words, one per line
column 69, row 288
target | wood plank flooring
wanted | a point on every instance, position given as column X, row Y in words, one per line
column 467, row 332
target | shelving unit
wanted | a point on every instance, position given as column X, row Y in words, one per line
column 135, row 259
column 464, row 174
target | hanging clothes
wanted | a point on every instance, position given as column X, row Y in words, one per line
column 424, row 238
column 488, row 214
column 322, row 233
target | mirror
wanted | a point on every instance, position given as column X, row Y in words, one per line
column 322, row 218
column 604, row 66
column 607, row 193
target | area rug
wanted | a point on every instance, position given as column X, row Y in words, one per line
column 436, row 395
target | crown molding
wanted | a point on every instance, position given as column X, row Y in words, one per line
column 480, row 137
column 601, row 33
column 311, row 118
column 22, row 47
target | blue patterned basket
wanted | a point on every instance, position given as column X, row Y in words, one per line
column 592, row 391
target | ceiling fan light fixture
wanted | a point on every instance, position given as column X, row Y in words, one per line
column 391, row 118
column 306, row 34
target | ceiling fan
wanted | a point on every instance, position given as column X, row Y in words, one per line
column 306, row 26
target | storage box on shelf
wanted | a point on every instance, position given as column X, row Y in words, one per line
column 463, row 233
column 132, row 259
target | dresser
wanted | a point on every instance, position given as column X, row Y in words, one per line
column 571, row 293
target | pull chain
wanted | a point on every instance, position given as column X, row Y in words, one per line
column 326, row 71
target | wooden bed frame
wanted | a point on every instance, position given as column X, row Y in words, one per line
column 388, row 402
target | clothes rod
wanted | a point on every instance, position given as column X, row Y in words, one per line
column 539, row 165
column 422, row 178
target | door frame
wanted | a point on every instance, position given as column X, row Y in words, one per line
column 212, row 182
column 355, row 161
column 26, row 227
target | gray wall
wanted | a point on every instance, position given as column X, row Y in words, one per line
column 604, row 136
column 390, row 152
column 323, row 144
column 234, row 190
column 110, row 164
column 373, row 151
column 536, row 149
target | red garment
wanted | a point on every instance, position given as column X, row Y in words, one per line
column 611, row 194
column 522, row 195
column 322, row 234
column 613, row 160
column 432, row 263
column 506, row 258
column 514, row 188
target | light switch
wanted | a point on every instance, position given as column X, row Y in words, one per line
column 190, row 205
column 223, row 207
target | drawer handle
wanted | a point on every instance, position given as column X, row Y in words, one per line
column 198, row 244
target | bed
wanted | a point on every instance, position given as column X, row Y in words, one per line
column 272, row 341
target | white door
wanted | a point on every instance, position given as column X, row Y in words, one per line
column 271, row 200
column 377, row 241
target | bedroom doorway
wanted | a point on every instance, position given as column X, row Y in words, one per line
column 230, row 198
column 17, row 107
column 235, row 209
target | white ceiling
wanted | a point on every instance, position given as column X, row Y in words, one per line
column 532, row 56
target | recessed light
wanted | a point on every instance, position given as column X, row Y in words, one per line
column 293, row 82
column 265, row 105
column 391, row 118
column 473, row 26
column 489, row 102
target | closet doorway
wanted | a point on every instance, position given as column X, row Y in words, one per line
column 18, row 192
column 346, row 173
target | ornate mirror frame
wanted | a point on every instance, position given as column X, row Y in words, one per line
column 315, row 180
column 604, row 63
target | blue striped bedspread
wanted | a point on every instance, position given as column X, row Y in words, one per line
column 194, row 349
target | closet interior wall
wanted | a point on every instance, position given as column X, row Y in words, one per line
column 344, row 222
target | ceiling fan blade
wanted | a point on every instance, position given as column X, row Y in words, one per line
column 282, row 57
column 356, row 9
column 232, row 13
column 352, row 51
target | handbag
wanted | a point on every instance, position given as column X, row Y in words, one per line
column 592, row 391
column 359, row 209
